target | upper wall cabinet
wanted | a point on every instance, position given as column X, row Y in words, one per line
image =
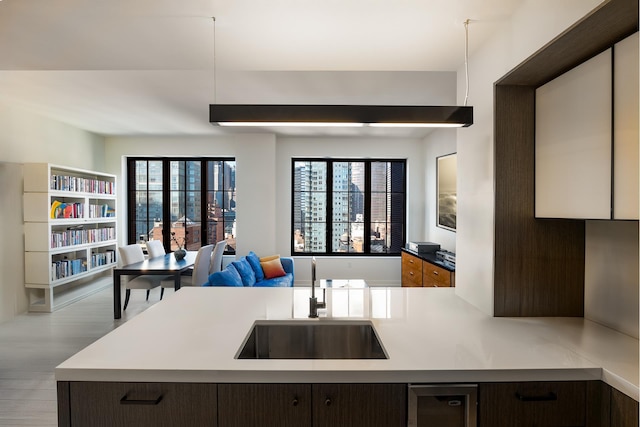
column 573, row 143
column 625, row 129
column 587, row 139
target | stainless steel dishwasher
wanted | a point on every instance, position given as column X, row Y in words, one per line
column 443, row 405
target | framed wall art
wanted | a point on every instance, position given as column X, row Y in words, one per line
column 446, row 197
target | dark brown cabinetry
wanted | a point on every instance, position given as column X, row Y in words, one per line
column 608, row 407
column 230, row 405
column 522, row 404
column 529, row 404
column 317, row 405
column 624, row 410
column 354, row 405
column 264, row 405
column 557, row 404
column 422, row 271
column 137, row 404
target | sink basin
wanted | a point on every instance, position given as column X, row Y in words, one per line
column 312, row 340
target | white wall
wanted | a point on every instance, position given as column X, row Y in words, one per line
column 27, row 137
column 438, row 143
column 611, row 282
column 531, row 28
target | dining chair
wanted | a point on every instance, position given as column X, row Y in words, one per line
column 130, row 254
column 155, row 248
column 200, row 274
column 216, row 257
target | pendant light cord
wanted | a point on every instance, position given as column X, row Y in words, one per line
column 466, row 60
column 215, row 73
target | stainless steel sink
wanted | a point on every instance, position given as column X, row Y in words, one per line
column 325, row 339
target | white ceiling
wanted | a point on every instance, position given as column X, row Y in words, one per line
column 127, row 67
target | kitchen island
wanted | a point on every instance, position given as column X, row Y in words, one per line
column 430, row 336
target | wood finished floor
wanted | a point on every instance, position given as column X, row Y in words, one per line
column 33, row 344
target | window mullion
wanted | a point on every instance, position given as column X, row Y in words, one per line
column 329, row 209
column 367, row 208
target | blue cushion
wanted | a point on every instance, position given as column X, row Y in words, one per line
column 254, row 262
column 277, row 282
column 246, row 272
column 227, row 277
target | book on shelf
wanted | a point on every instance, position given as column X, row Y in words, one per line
column 66, row 210
column 99, row 259
column 67, row 267
column 77, row 235
column 81, row 185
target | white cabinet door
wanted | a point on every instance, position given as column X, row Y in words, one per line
column 625, row 129
column 573, row 143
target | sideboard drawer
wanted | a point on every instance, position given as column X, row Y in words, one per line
column 432, row 275
column 411, row 270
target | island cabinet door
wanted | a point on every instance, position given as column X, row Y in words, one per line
column 355, row 405
column 532, row 404
column 264, row 405
column 142, row 404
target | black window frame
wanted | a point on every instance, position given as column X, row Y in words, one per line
column 132, row 235
column 367, row 207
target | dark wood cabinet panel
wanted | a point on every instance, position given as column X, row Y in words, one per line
column 598, row 404
column 624, row 410
column 142, row 404
column 356, row 405
column 532, row 404
column 64, row 402
column 264, row 405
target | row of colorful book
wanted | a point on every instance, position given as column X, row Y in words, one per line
column 103, row 258
column 77, row 210
column 81, row 185
column 80, row 236
column 67, row 267
column 101, row 211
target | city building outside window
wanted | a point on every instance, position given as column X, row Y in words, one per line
column 348, row 206
column 195, row 196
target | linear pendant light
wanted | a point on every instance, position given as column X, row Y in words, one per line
column 270, row 115
column 340, row 115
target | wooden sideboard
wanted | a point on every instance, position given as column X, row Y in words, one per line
column 424, row 270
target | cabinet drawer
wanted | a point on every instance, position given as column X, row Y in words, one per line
column 142, row 404
column 411, row 278
column 410, row 262
column 411, row 271
column 431, row 272
column 529, row 404
column 430, row 282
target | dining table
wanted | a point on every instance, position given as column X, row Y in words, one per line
column 166, row 265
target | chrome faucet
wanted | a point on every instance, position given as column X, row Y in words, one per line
column 314, row 305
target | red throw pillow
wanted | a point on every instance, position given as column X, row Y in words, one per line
column 272, row 267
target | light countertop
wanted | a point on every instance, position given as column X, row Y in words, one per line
column 430, row 336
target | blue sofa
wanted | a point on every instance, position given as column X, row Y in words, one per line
column 247, row 271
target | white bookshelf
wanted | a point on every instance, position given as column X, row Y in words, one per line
column 65, row 248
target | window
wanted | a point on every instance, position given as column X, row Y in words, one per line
column 348, row 206
column 195, row 196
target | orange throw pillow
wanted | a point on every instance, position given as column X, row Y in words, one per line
column 272, row 267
